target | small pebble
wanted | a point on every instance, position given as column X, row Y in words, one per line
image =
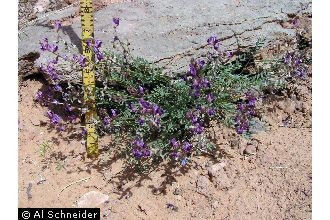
column 172, row 207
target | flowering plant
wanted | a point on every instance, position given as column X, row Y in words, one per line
column 160, row 117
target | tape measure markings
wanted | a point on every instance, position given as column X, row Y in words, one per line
column 87, row 26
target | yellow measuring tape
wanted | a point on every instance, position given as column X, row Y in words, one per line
column 87, row 26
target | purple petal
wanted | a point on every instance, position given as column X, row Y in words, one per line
column 98, row 43
column 192, row 70
column 115, row 21
column 57, row 25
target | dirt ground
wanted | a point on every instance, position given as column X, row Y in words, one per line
column 274, row 182
column 267, row 177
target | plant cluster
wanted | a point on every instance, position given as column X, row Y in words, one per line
column 160, row 117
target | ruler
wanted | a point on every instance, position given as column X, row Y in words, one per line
column 87, row 27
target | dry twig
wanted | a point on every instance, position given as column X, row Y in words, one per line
column 85, row 179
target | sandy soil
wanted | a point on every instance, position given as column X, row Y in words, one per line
column 273, row 183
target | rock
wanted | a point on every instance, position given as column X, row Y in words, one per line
column 298, row 105
column 26, row 65
column 289, row 107
column 41, row 180
column 41, row 6
column 177, row 191
column 305, row 107
column 215, row 204
column 151, row 34
column 303, row 91
column 280, row 105
column 235, row 143
column 250, row 149
column 213, row 169
column 242, row 146
column 92, row 199
column 147, row 207
column 29, row 190
column 202, row 185
column 36, row 121
column 172, row 207
column 223, row 181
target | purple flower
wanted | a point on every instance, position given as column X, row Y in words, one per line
column 241, row 124
column 147, row 153
column 242, row 127
column 211, row 111
column 301, row 72
column 198, row 129
column 229, row 54
column 175, row 143
column 297, row 62
column 156, row 109
column 214, row 41
column 200, row 63
column 201, row 108
column 194, row 119
column 116, row 22
column 175, row 155
column 69, row 108
column 183, row 161
column 52, row 48
column 98, row 44
column 251, row 99
column 82, row 61
column 156, row 122
column 55, row 61
column 39, row 96
column 239, row 130
column 57, row 25
column 88, row 43
column 184, row 77
column 75, row 57
column 72, row 118
column 62, row 128
column 141, row 120
column 100, row 56
column 144, row 103
column 296, row 22
column 141, row 90
column 252, row 102
column 137, row 153
column 210, row 97
column 57, row 88
column 206, row 83
column 241, row 107
column 195, row 84
column 187, row 147
column 192, row 70
column 287, row 58
column 132, row 107
column 139, row 143
column 113, row 112
column 84, row 132
column 197, row 93
column 189, row 114
column 51, row 72
column 54, row 118
column 56, row 102
column 252, row 112
column 44, row 44
column 106, row 120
